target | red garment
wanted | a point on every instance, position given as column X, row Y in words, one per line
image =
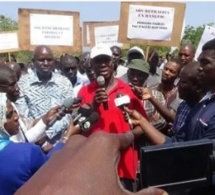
column 112, row 121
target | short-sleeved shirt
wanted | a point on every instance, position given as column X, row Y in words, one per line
column 37, row 98
column 171, row 97
column 112, row 121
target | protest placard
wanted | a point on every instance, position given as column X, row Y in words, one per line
column 58, row 29
column 106, row 33
column 9, row 41
column 151, row 23
column 208, row 34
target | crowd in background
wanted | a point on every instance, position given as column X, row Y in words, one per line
column 170, row 100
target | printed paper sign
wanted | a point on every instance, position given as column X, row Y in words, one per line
column 107, row 35
column 51, row 30
column 208, row 34
column 150, row 22
column 9, row 41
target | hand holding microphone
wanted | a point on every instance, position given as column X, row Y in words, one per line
column 101, row 94
column 66, row 104
column 122, row 101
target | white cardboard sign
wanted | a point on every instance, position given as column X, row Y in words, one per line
column 52, row 30
column 9, row 41
column 107, row 35
column 150, row 22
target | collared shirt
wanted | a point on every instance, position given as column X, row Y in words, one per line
column 154, row 117
column 112, row 121
column 199, row 124
column 37, row 98
column 78, row 85
column 83, row 77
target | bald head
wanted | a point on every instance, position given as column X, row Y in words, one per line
column 42, row 49
column 187, row 53
column 16, row 68
column 189, row 86
column 43, row 61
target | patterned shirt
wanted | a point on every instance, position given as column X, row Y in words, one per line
column 182, row 112
column 170, row 97
column 37, row 98
column 154, row 117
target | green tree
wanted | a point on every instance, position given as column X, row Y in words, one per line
column 7, row 24
column 193, row 34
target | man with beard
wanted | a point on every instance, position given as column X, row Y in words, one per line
column 167, row 86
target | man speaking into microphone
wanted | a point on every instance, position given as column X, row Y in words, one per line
column 101, row 93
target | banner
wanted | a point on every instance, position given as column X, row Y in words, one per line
column 150, row 22
column 208, row 34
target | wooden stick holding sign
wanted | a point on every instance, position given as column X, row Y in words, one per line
column 147, row 53
column 9, row 57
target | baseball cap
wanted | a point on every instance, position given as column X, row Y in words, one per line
column 139, row 64
column 135, row 49
column 100, row 49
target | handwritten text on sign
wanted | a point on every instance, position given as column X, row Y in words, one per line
column 208, row 34
column 51, row 30
column 106, row 35
column 150, row 22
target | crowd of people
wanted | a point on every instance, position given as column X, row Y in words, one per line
column 168, row 102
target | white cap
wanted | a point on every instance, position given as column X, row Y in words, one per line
column 100, row 49
column 135, row 49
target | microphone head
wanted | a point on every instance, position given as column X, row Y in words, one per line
column 68, row 102
column 101, row 80
column 85, row 110
column 91, row 120
column 93, row 117
column 119, row 95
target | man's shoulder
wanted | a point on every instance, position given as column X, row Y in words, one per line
column 89, row 87
column 60, row 79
